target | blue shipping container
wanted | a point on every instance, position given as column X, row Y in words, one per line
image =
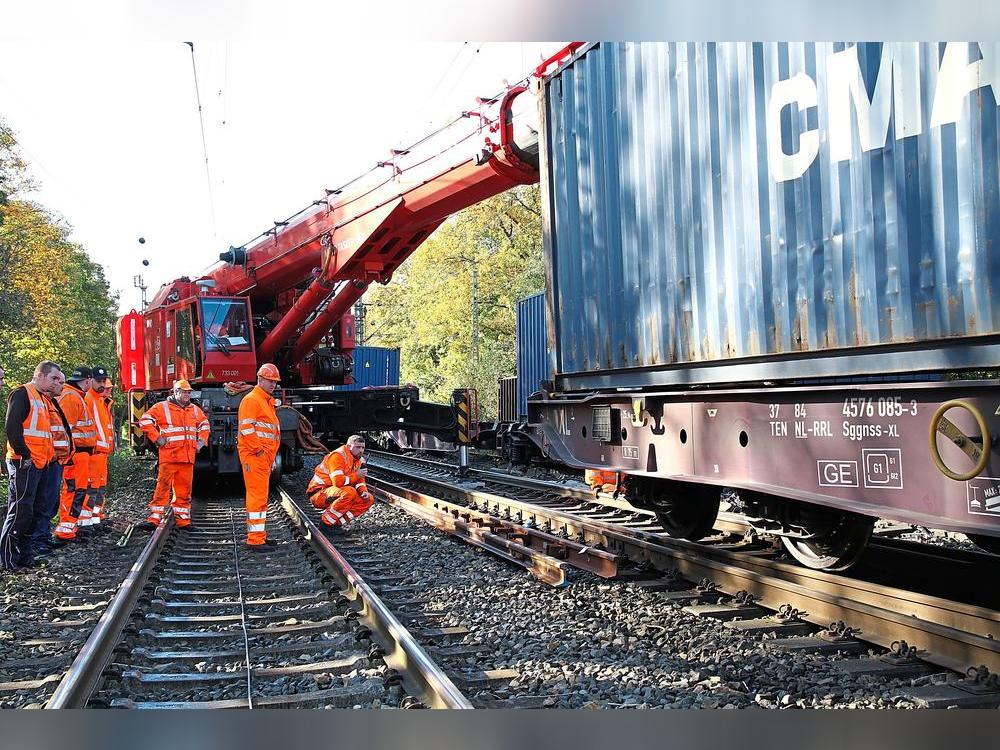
column 723, row 212
column 374, row 366
column 532, row 350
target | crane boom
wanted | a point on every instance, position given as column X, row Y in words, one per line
column 363, row 234
column 285, row 297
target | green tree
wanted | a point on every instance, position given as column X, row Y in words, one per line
column 451, row 307
column 55, row 302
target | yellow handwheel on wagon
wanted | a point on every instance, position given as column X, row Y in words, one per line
column 980, row 455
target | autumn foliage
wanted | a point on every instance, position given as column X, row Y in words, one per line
column 451, row 307
column 55, row 302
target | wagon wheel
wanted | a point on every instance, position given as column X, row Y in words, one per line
column 688, row 514
column 989, row 543
column 838, row 538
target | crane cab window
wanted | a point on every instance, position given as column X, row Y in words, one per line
column 184, row 343
column 225, row 325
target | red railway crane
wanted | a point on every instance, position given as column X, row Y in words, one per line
column 285, row 296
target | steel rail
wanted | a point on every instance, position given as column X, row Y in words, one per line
column 950, row 634
column 543, row 567
column 733, row 523
column 537, row 551
column 402, row 652
column 79, row 683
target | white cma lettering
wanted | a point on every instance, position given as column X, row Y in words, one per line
column 800, row 89
column 958, row 78
column 897, row 92
column 898, row 75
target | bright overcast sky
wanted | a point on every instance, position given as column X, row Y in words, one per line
column 307, row 95
column 111, row 132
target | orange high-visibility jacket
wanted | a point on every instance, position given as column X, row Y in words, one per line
column 104, row 441
column 338, row 469
column 602, row 478
column 62, row 443
column 80, row 422
column 258, row 425
column 182, row 427
column 37, row 430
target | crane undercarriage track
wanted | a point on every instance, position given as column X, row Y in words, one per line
column 736, row 577
column 203, row 622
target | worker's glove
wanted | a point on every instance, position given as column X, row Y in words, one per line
column 362, row 473
column 366, row 495
column 199, row 445
column 161, row 441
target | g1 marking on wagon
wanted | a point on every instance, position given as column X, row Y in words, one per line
column 883, row 468
column 630, row 451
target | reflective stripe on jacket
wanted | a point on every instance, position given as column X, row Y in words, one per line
column 338, row 469
column 258, row 424
column 61, row 441
column 37, row 430
column 104, row 441
column 80, row 421
column 181, row 426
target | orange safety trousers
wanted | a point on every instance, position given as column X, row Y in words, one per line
column 172, row 480
column 76, row 477
column 340, row 505
column 93, row 508
column 256, row 476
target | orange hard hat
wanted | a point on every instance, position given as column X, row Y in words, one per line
column 269, row 371
column 183, row 385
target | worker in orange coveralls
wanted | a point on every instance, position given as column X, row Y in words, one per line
column 76, row 475
column 104, row 445
column 258, row 443
column 602, row 480
column 180, row 429
column 338, row 485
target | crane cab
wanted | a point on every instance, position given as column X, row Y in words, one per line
column 207, row 340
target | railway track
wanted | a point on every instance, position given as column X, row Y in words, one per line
column 201, row 622
column 745, row 579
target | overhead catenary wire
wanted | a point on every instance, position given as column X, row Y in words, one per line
column 204, row 143
column 441, row 80
column 358, row 178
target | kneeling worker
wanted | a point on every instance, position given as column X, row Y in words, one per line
column 180, row 429
column 338, row 485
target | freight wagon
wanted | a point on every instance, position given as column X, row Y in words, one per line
column 726, row 222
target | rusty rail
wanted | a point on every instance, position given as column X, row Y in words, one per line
column 949, row 634
column 402, row 652
column 543, row 554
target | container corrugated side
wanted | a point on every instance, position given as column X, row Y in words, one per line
column 507, row 401
column 374, row 366
column 713, row 203
column 532, row 350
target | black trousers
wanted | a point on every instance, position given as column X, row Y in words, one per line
column 25, row 489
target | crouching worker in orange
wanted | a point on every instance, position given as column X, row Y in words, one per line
column 602, row 480
column 180, row 429
column 338, row 486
